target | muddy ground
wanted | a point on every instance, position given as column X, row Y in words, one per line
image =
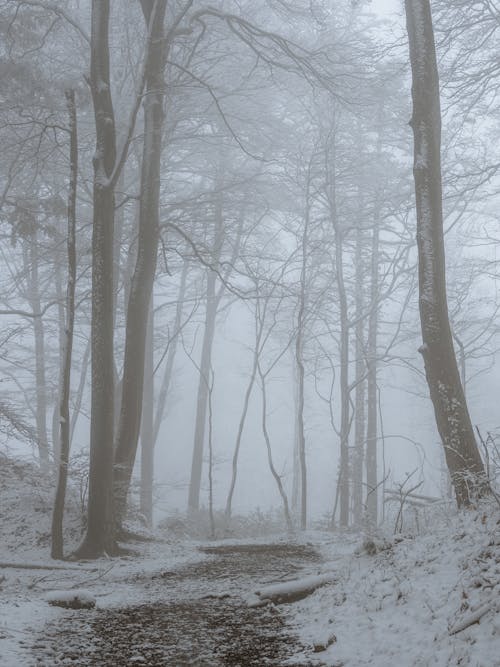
column 196, row 615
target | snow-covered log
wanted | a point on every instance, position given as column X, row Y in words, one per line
column 292, row 591
column 44, row 566
column 73, row 599
column 474, row 617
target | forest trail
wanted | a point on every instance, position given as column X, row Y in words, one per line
column 196, row 615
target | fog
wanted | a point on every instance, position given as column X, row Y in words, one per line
column 249, row 292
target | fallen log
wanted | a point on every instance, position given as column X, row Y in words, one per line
column 474, row 617
column 292, row 591
column 72, row 599
column 44, row 566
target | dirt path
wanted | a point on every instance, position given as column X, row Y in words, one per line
column 195, row 615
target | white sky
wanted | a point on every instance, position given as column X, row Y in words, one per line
column 386, row 6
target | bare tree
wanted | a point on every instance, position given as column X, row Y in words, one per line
column 441, row 369
column 64, row 416
column 147, row 250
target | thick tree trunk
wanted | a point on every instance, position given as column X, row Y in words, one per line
column 145, row 268
column 441, row 369
column 64, row 419
column 99, row 538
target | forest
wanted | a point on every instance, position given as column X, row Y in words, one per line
column 249, row 327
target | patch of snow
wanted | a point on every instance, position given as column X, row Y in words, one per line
column 403, row 605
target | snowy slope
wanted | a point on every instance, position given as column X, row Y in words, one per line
column 404, row 605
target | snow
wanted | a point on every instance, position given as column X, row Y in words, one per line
column 405, row 600
column 402, row 606
column 295, row 588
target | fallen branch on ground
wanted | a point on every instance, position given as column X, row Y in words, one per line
column 474, row 617
column 291, row 591
column 38, row 566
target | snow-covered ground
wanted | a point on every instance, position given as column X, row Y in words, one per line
column 406, row 604
column 403, row 601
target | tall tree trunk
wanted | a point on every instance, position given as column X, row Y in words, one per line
column 344, row 377
column 172, row 349
column 213, row 300
column 99, row 538
column 299, row 361
column 360, row 384
column 241, row 425
column 202, row 397
column 272, row 468
column 145, row 268
column 64, row 419
column 295, row 453
column 80, row 389
column 147, row 442
column 441, row 369
column 342, row 495
column 211, row 455
column 32, row 261
column 61, row 321
column 344, row 394
column 372, row 483
column 371, row 505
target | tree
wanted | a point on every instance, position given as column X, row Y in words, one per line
column 441, row 369
column 99, row 537
column 64, row 422
column 108, row 164
column 147, row 250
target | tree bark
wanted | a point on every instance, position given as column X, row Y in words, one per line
column 213, row 299
column 147, row 442
column 344, row 386
column 99, row 538
column 145, row 267
column 295, row 452
column 39, row 334
column 172, row 349
column 441, row 369
column 371, row 389
column 299, row 361
column 64, row 419
column 342, row 494
column 202, row 397
column 360, row 384
column 241, row 426
column 61, row 322
column 272, row 468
